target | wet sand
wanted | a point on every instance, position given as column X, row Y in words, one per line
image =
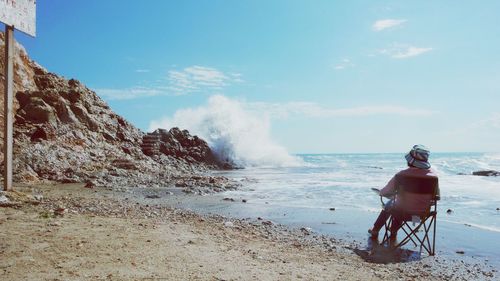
column 75, row 233
column 454, row 241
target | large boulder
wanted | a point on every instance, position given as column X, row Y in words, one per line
column 37, row 111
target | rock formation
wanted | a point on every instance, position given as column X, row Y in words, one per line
column 64, row 132
column 180, row 144
column 486, row 173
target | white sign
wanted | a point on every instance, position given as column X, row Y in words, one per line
column 20, row 14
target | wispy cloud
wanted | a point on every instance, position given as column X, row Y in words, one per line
column 490, row 123
column 343, row 64
column 309, row 109
column 403, row 51
column 196, row 78
column 179, row 82
column 129, row 93
column 237, row 77
column 387, row 23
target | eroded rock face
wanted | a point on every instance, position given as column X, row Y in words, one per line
column 64, row 132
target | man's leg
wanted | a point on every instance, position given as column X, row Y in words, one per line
column 397, row 221
column 382, row 218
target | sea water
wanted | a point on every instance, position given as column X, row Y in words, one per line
column 331, row 193
column 300, row 190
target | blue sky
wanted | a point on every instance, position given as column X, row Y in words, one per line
column 328, row 76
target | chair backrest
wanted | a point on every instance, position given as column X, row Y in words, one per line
column 416, row 194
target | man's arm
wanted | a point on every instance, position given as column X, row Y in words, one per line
column 389, row 189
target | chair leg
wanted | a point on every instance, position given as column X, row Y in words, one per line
column 425, row 243
column 434, row 236
column 410, row 235
column 429, row 225
column 387, row 226
column 432, row 224
column 426, row 237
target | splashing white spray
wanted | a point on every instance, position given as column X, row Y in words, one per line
column 233, row 133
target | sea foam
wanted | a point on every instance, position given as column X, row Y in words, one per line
column 235, row 135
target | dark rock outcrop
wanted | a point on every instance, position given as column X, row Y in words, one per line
column 182, row 145
column 151, row 144
column 486, row 173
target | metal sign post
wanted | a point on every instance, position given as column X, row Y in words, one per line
column 7, row 105
column 18, row 14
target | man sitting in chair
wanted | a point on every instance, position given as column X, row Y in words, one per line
column 418, row 166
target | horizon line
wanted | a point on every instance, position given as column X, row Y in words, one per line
column 434, row 152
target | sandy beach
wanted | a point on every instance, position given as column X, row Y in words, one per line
column 76, row 233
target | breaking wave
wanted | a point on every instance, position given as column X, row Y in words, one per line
column 233, row 133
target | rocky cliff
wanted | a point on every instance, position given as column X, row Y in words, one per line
column 64, row 132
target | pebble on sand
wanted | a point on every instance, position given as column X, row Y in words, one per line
column 267, row 223
column 228, row 224
column 60, row 211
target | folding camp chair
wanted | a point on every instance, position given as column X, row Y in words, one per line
column 419, row 225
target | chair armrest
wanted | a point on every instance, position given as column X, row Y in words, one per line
column 390, row 195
